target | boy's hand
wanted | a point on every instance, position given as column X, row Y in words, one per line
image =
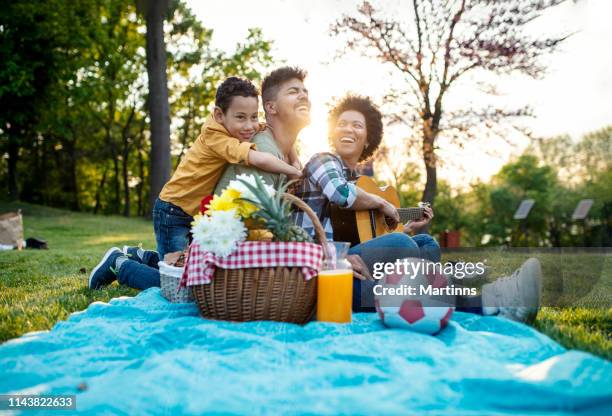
column 296, row 164
column 296, row 174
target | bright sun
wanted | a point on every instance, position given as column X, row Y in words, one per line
column 313, row 138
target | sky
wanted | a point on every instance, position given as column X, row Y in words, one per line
column 573, row 97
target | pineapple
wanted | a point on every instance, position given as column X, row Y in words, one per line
column 275, row 213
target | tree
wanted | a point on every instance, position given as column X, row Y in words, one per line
column 397, row 166
column 451, row 210
column 437, row 46
column 594, row 153
column 518, row 180
column 74, row 95
column 558, row 152
column 27, row 67
column 114, row 74
column 155, row 12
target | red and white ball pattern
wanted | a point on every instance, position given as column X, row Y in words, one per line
column 421, row 313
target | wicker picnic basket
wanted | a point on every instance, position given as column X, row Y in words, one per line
column 262, row 294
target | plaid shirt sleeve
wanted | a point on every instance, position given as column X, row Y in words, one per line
column 326, row 170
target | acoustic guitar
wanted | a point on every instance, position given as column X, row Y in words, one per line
column 360, row 226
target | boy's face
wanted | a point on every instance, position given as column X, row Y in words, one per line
column 241, row 119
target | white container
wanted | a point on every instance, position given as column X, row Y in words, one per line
column 170, row 279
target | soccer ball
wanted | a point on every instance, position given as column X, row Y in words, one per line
column 418, row 310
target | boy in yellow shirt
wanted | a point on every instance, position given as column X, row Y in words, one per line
column 225, row 138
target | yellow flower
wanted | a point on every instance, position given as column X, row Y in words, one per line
column 231, row 193
column 196, row 218
column 225, row 201
column 246, row 209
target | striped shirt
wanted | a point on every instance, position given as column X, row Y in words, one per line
column 326, row 180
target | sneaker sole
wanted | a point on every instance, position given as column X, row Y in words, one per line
column 534, row 268
column 106, row 256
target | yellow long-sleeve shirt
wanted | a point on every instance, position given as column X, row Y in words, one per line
column 202, row 166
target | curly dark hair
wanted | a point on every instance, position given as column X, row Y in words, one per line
column 234, row 87
column 272, row 81
column 373, row 119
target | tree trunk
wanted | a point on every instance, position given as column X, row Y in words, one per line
column 126, row 155
column 159, row 111
column 36, row 169
column 141, row 169
column 140, row 186
column 431, row 183
column 431, row 186
column 13, row 153
column 99, row 191
column 72, row 154
column 43, row 171
column 126, row 188
column 117, row 207
column 74, row 185
column 555, row 233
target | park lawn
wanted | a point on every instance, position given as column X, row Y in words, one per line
column 41, row 287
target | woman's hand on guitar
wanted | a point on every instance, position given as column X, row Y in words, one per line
column 360, row 270
column 417, row 226
column 392, row 217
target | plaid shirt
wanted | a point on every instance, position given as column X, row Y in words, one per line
column 326, row 180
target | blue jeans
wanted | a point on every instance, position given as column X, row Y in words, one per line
column 139, row 275
column 172, row 226
column 387, row 249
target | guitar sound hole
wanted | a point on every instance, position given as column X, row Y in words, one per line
column 389, row 222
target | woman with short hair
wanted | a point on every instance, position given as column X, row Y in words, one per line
column 355, row 133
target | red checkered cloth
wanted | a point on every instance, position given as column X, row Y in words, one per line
column 200, row 265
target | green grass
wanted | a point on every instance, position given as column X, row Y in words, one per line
column 41, row 287
column 576, row 293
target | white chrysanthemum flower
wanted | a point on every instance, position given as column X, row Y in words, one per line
column 224, row 219
column 244, row 191
column 220, row 232
column 200, row 229
column 225, row 246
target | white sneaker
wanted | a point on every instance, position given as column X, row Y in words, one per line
column 515, row 297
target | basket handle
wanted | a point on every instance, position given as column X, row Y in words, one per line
column 319, row 230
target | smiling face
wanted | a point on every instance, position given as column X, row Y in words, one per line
column 291, row 104
column 349, row 135
column 240, row 119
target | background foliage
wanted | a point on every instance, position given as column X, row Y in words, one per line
column 74, row 128
column 73, row 90
column 556, row 172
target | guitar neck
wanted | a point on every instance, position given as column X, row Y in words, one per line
column 363, row 225
column 410, row 214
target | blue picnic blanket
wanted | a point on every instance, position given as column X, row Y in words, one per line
column 144, row 355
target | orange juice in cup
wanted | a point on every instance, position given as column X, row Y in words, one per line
column 335, row 286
